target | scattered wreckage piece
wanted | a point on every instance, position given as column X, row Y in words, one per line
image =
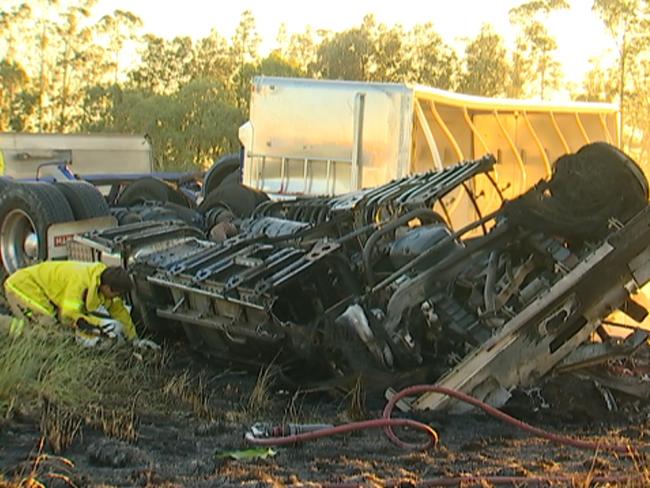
column 621, row 365
column 619, row 379
column 378, row 285
column 590, row 195
column 596, row 353
column 555, row 323
column 279, row 280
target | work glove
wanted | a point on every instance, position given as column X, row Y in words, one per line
column 86, row 334
column 89, row 335
column 112, row 330
column 145, row 344
column 87, row 328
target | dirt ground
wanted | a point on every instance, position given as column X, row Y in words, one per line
column 179, row 447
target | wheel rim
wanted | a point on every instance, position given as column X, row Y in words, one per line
column 19, row 241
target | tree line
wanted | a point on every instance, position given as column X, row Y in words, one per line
column 62, row 72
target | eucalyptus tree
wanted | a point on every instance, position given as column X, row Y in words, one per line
column 45, row 31
column 165, row 65
column 120, row 27
column 388, row 60
column 69, row 73
column 209, row 124
column 600, row 83
column 485, row 65
column 532, row 61
column 628, row 23
column 346, row 55
column 213, row 59
column 13, row 29
column 17, row 99
column 301, row 50
column 244, row 51
column 430, row 59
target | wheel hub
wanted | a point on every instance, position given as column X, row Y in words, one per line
column 30, row 246
column 19, row 240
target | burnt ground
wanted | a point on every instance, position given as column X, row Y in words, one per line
column 177, row 445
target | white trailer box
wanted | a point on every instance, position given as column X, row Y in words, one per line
column 100, row 153
column 329, row 137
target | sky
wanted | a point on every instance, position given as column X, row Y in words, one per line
column 579, row 32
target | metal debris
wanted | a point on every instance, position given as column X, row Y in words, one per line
column 379, row 285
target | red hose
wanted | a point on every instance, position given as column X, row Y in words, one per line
column 341, row 429
column 557, row 438
column 387, row 423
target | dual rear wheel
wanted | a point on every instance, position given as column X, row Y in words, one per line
column 28, row 209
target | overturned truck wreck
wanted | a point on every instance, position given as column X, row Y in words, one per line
column 376, row 283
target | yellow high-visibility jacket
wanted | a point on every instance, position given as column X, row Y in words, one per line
column 71, row 288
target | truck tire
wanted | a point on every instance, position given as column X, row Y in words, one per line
column 145, row 299
column 230, row 179
column 167, row 212
column 147, row 322
column 125, row 216
column 84, row 199
column 152, row 189
column 6, row 182
column 26, row 211
column 222, row 167
column 239, row 198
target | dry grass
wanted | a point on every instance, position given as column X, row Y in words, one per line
column 260, row 397
column 32, row 476
column 48, row 364
column 48, row 377
column 117, row 423
column 59, row 426
column 357, row 409
column 46, row 371
column 293, row 413
column 191, row 392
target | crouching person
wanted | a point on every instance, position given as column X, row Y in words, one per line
column 67, row 292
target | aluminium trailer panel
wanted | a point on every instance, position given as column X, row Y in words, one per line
column 325, row 137
column 87, row 154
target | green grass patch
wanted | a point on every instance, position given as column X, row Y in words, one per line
column 46, row 375
column 48, row 364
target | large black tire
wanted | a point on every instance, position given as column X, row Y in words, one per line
column 145, row 299
column 168, row 212
column 125, row 216
column 239, row 198
column 150, row 189
column 26, row 211
column 84, row 199
column 222, row 167
column 6, row 182
column 231, row 179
